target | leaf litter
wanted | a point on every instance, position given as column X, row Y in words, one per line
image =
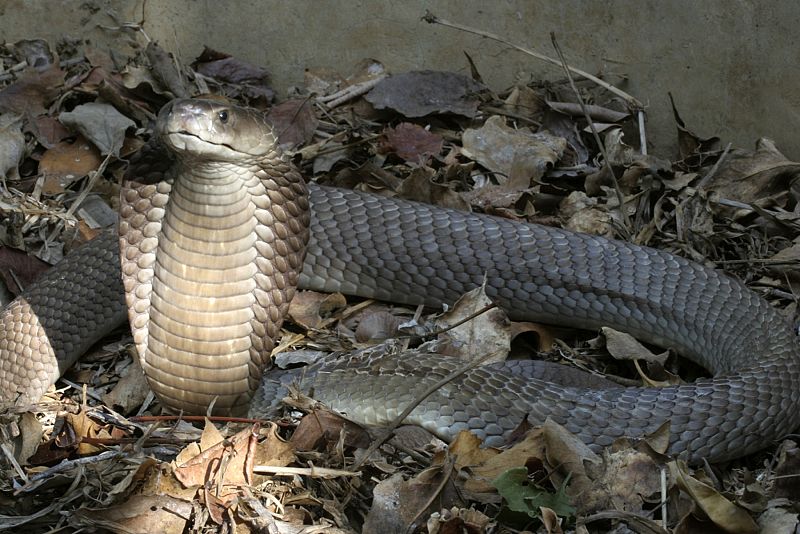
column 96, row 452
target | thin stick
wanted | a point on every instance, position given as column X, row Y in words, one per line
column 607, row 163
column 707, row 178
column 314, row 472
column 632, row 102
column 410, row 408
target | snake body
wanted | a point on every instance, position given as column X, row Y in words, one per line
column 216, row 237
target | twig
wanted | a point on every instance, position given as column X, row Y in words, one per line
column 642, row 133
column 66, row 465
column 350, row 92
column 631, row 101
column 707, row 178
column 314, row 472
column 606, row 161
column 410, row 408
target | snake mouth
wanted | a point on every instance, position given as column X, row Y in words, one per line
column 187, row 133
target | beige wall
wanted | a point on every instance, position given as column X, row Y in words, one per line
column 732, row 66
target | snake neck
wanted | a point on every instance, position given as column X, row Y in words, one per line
column 230, row 248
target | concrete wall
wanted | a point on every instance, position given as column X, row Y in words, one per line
column 731, row 65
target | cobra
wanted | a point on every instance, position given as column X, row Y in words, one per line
column 217, row 229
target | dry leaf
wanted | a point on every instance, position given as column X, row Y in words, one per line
column 411, row 142
column 100, row 123
column 485, row 332
column 500, row 148
column 420, row 93
column 717, row 508
column 293, row 122
column 66, row 163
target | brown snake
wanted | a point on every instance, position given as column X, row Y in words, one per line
column 213, row 240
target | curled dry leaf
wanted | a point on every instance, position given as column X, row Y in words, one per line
column 485, row 331
column 748, row 176
column 721, row 511
column 12, row 149
column 378, row 326
column 419, row 186
column 500, row 149
column 624, row 346
column 310, row 309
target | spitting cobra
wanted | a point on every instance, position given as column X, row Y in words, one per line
column 217, row 229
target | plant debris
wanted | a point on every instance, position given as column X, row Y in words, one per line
column 96, row 453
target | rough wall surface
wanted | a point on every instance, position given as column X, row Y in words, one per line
column 731, row 66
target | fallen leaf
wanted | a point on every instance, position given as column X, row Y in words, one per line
column 411, row 142
column 12, row 149
column 721, row 511
column 377, row 326
column 323, row 428
column 100, row 123
column 419, row 186
column 421, row 93
column 293, row 122
column 787, row 472
column 748, row 176
column 66, row 163
column 482, row 331
column 32, row 92
column 499, row 148
column 689, row 143
column 139, row 514
column 130, row 391
column 17, row 267
column 624, row 346
column 310, row 309
column 524, row 497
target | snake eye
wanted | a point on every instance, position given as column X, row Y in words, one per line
column 223, row 116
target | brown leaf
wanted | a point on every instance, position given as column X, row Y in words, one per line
column 597, row 113
column 33, row 91
column 48, row 131
column 12, row 149
column 411, row 142
column 749, row 176
column 100, row 123
column 224, row 466
column 624, row 346
column 530, row 449
column 67, row 162
column 163, row 66
column 398, row 503
column 378, row 326
column 324, row 427
column 140, row 514
column 131, row 390
column 310, row 309
column 420, row 93
column 485, row 332
column 419, row 186
column 717, row 508
column 17, row 266
column 689, row 143
column 293, row 122
column 518, row 158
column 787, row 472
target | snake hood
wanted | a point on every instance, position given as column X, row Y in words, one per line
column 209, row 130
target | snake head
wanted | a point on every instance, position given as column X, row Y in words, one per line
column 212, row 130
